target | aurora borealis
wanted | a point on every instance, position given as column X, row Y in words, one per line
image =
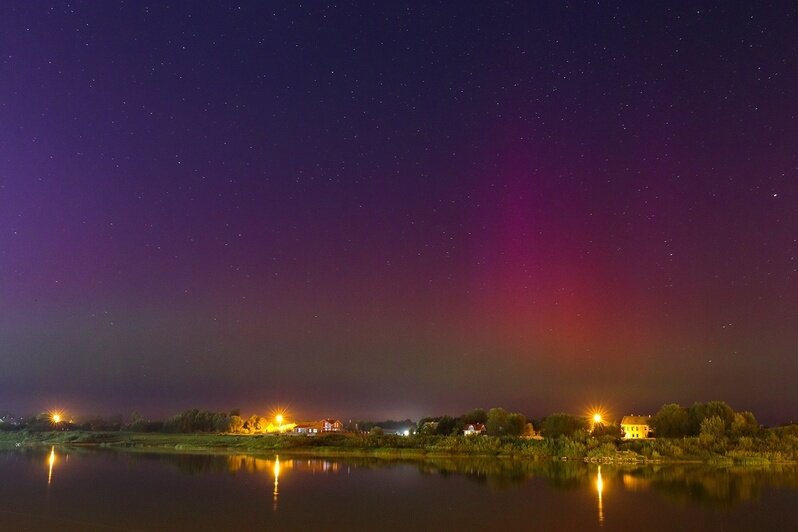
column 398, row 210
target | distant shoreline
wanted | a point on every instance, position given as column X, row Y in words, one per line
column 357, row 446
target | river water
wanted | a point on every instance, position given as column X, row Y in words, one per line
column 95, row 490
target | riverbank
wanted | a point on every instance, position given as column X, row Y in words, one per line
column 331, row 445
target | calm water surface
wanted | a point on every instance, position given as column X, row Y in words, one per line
column 87, row 490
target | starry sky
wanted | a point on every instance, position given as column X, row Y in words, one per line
column 387, row 209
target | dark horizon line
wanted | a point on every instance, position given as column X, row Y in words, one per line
column 373, row 419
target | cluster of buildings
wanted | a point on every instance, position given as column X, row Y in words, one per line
column 8, row 419
column 633, row 427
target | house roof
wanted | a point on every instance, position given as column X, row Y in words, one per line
column 315, row 424
column 636, row 420
column 309, row 425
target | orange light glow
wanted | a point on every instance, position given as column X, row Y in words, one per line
column 281, row 421
column 597, row 414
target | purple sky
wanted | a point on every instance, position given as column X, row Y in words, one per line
column 370, row 210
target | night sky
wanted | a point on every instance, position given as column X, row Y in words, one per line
column 383, row 210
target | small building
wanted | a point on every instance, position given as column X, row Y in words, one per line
column 636, row 427
column 8, row 419
column 332, row 425
column 315, row 427
column 309, row 427
column 473, row 429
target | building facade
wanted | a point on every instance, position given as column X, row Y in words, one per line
column 332, row 425
column 316, row 427
column 473, row 429
column 636, row 427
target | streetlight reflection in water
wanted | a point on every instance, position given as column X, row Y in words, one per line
column 600, row 491
column 51, row 463
column 276, row 470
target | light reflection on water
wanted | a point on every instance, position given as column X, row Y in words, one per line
column 600, row 491
column 51, row 462
column 276, row 469
column 694, row 483
column 652, row 491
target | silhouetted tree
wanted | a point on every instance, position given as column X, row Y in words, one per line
column 515, row 424
column 671, row 422
column 701, row 411
column 712, row 429
column 612, row 430
column 562, row 425
column 236, row 423
column 497, row 422
column 744, row 424
column 447, row 426
column 478, row 415
column 198, row 421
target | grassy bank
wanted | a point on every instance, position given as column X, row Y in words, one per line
column 772, row 448
column 324, row 445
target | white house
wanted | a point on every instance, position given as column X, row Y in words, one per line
column 636, row 427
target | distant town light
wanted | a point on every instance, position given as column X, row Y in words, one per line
column 596, row 418
column 56, row 417
column 279, row 419
column 407, row 432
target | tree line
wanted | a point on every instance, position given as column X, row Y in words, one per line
column 497, row 422
column 711, row 421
